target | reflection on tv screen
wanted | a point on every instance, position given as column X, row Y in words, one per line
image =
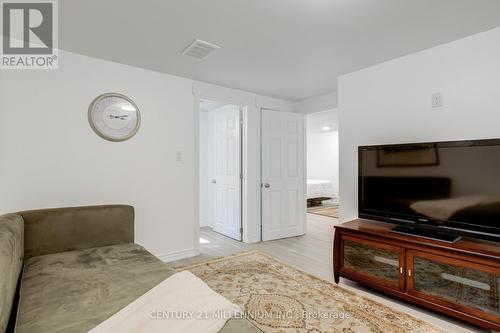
column 452, row 185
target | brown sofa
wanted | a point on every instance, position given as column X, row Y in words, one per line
column 69, row 269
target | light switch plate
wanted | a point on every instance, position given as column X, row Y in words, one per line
column 178, row 156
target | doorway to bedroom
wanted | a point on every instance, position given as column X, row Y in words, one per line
column 323, row 164
column 220, row 172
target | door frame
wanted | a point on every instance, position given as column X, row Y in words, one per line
column 261, row 182
column 251, row 151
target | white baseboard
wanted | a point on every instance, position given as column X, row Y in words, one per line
column 177, row 255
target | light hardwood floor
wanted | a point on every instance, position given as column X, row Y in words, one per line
column 312, row 253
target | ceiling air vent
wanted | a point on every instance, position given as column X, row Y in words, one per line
column 200, row 49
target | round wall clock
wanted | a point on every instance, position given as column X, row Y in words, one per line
column 114, row 117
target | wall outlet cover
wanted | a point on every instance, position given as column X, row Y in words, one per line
column 437, row 100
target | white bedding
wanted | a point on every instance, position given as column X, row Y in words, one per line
column 182, row 303
column 317, row 188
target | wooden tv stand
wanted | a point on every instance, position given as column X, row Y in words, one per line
column 460, row 279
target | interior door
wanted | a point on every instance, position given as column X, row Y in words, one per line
column 227, row 171
column 283, row 175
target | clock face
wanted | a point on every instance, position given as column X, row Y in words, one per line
column 114, row 117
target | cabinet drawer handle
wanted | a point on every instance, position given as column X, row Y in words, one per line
column 401, row 270
column 465, row 281
column 409, row 273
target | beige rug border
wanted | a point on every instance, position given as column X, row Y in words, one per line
column 240, row 254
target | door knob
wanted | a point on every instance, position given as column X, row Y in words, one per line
column 214, row 181
column 267, row 185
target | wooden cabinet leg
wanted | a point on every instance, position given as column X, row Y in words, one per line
column 336, row 256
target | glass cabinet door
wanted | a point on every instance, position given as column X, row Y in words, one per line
column 462, row 285
column 380, row 263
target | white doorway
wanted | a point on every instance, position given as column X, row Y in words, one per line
column 221, row 168
column 283, row 174
column 322, row 164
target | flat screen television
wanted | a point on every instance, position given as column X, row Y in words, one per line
column 441, row 190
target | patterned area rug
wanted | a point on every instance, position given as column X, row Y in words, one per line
column 330, row 211
column 281, row 299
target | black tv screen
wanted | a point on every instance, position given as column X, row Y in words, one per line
column 454, row 186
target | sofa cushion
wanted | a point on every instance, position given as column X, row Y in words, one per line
column 75, row 291
column 11, row 263
column 57, row 230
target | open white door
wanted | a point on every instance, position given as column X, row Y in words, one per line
column 227, row 171
column 283, row 175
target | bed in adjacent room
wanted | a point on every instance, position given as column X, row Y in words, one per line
column 319, row 190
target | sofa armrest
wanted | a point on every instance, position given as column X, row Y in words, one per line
column 11, row 264
column 55, row 230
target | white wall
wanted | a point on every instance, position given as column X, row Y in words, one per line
column 50, row 157
column 323, row 157
column 318, row 103
column 391, row 102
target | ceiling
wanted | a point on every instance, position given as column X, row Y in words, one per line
column 292, row 49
